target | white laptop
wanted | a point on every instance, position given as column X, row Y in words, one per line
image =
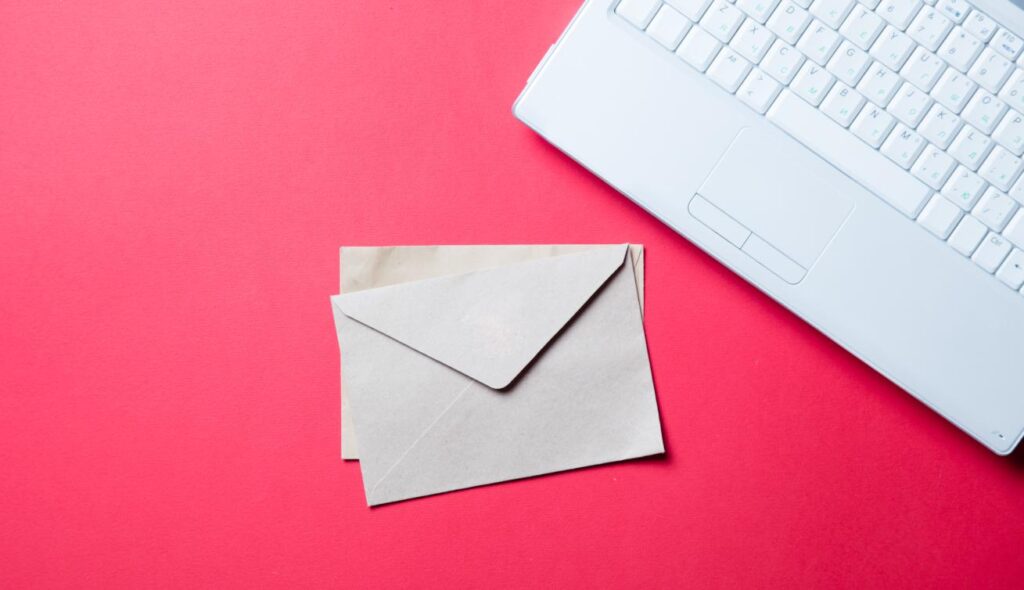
column 858, row 161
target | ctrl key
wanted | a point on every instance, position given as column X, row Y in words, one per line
column 1012, row 270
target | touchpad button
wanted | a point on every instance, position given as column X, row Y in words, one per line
column 780, row 192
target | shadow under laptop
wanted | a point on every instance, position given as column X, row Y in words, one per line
column 1015, row 461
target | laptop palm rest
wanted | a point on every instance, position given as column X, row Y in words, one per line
column 769, row 199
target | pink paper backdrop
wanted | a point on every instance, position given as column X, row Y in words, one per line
column 175, row 180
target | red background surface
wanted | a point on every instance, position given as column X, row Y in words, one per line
column 176, row 178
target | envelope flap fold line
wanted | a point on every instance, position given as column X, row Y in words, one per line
column 490, row 324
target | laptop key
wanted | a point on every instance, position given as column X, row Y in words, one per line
column 812, row 82
column 752, row 41
column 955, row 9
column 728, row 69
column 819, row 42
column 991, row 253
column 970, row 147
column 910, row 104
column 940, row 216
column 980, row 25
column 953, row 89
column 967, row 235
column 899, row 12
column 698, row 49
column 1001, row 168
column 691, row 9
column 862, row 27
column 873, row 125
column 1010, row 132
column 923, row 69
column 759, row 90
column 879, row 84
column 849, row 63
column 789, row 21
column 960, row 49
column 668, row 27
column 933, row 167
column 929, row 28
column 964, row 188
column 991, row 70
column 1007, row 43
column 940, row 126
column 994, row 209
column 984, row 111
column 637, row 12
column 1012, row 270
column 842, row 104
column 758, row 10
column 1015, row 229
column 832, row 12
column 722, row 20
column 903, row 146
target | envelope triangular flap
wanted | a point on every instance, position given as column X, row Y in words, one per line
column 489, row 324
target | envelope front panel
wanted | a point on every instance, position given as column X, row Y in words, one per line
column 425, row 428
column 365, row 267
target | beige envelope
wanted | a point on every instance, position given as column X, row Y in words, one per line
column 369, row 267
column 498, row 374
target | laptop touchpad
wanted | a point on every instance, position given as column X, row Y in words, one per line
column 784, row 195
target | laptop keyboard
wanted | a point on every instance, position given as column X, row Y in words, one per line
column 918, row 101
